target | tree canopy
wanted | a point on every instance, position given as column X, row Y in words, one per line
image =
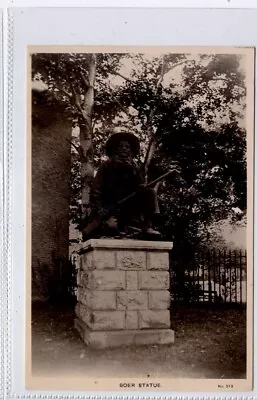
column 187, row 108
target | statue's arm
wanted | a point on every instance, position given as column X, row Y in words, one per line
column 97, row 190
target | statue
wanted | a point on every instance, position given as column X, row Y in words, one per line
column 116, row 179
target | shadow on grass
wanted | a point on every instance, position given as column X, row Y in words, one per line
column 210, row 342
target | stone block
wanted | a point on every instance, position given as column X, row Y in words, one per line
column 153, row 280
column 98, row 259
column 131, row 280
column 154, row 319
column 110, row 320
column 103, row 300
column 86, row 261
column 85, row 279
column 77, row 310
column 103, row 280
column 131, row 260
column 101, row 320
column 97, row 300
column 83, row 296
column 108, row 280
column 132, row 300
column 96, row 340
column 78, row 278
column 157, row 260
column 111, row 339
column 104, row 259
column 78, row 293
column 159, row 300
column 154, row 336
column 131, row 320
column 82, row 311
column 128, row 244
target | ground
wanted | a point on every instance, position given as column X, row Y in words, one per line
column 209, row 343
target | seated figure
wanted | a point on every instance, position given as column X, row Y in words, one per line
column 117, row 178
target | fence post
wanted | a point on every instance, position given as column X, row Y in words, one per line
column 230, row 277
column 225, row 274
column 198, row 277
column 240, row 269
column 219, row 274
column 214, row 274
column 235, row 258
column 209, row 277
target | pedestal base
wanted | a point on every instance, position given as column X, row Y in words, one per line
column 111, row 339
column 123, row 293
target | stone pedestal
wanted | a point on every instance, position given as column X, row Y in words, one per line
column 123, row 296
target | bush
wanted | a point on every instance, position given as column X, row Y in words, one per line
column 57, row 282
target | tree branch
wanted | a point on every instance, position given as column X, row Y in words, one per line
column 118, row 102
column 77, row 148
column 75, row 97
column 121, row 106
column 160, row 80
column 61, row 89
column 176, row 65
column 151, row 146
column 93, row 125
column 218, row 79
column 121, row 76
column 85, row 81
column 149, row 151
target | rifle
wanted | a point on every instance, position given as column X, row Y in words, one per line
column 92, row 226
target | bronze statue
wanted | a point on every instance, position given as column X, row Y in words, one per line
column 117, row 178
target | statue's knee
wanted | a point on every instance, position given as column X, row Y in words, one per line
column 150, row 192
column 152, row 195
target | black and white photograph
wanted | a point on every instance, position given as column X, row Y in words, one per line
column 140, row 246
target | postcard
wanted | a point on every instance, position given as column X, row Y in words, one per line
column 139, row 218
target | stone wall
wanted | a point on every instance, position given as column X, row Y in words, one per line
column 123, row 285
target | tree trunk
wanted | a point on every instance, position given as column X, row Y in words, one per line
column 150, row 150
column 150, row 131
column 87, row 168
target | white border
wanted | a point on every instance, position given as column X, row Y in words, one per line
column 230, row 4
column 31, row 26
column 1, row 210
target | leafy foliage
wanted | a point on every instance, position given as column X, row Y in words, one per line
column 191, row 107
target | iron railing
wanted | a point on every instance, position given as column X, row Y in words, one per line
column 211, row 276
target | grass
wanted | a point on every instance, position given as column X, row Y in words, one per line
column 209, row 343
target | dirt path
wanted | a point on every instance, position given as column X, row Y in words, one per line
column 209, row 344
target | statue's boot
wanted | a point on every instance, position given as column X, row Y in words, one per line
column 152, row 232
column 151, row 213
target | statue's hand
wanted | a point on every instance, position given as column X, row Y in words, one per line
column 112, row 223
